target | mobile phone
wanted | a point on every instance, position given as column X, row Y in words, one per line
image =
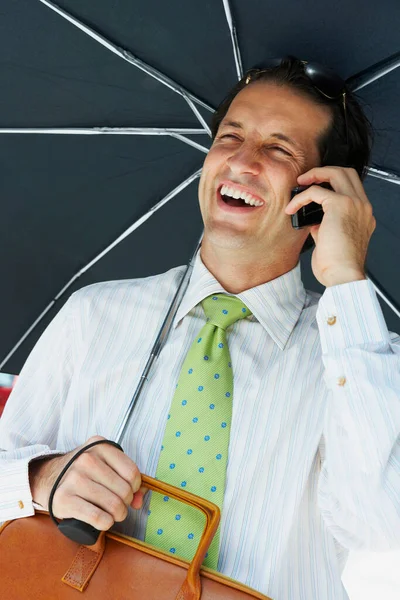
column 312, row 213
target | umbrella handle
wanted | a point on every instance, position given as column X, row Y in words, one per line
column 74, row 529
column 79, row 531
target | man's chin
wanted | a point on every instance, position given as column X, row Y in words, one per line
column 228, row 238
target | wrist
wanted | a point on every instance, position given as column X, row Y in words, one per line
column 42, row 473
column 340, row 278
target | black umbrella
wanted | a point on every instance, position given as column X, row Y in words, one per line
column 105, row 114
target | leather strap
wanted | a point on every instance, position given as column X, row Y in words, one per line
column 84, row 564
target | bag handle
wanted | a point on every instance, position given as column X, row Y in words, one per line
column 191, row 588
column 88, row 558
column 73, row 528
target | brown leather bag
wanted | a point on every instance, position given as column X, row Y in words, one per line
column 39, row 563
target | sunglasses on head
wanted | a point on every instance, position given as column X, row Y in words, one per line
column 326, row 81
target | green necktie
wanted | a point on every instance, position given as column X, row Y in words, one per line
column 194, row 451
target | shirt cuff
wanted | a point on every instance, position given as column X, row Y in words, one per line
column 350, row 315
column 16, row 497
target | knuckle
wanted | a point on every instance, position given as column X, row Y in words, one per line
column 132, row 474
column 99, row 518
column 122, row 514
column 74, row 478
column 94, row 438
column 117, row 508
column 348, row 204
column 87, row 460
column 126, row 493
column 114, row 504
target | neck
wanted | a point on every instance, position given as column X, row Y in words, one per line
column 236, row 271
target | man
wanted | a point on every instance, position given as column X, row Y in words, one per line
column 314, row 453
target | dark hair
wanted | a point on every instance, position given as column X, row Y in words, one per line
column 332, row 146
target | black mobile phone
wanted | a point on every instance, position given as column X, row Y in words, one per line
column 312, row 213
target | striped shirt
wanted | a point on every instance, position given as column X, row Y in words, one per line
column 314, row 454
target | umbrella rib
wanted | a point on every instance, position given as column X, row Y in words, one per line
column 235, row 43
column 130, row 58
column 385, row 175
column 197, row 114
column 173, row 132
column 106, row 130
column 384, row 295
column 389, row 178
column 119, row 239
column 374, row 72
column 133, row 227
column 190, row 142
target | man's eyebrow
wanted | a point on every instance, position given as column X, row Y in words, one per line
column 231, row 124
column 278, row 136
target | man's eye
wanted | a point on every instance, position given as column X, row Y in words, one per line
column 235, row 137
column 282, row 150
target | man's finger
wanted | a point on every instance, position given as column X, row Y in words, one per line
column 120, row 463
column 94, row 467
column 137, row 501
column 95, row 505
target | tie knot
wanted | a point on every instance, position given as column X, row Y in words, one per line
column 222, row 310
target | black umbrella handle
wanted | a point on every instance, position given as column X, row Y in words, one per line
column 74, row 529
column 79, row 531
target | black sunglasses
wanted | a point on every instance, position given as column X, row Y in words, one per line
column 326, row 81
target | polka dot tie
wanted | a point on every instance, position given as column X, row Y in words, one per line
column 194, row 450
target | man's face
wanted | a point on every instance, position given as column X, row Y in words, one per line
column 247, row 157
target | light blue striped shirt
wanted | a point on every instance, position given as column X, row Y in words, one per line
column 314, row 455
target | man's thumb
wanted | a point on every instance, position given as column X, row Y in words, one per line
column 137, row 501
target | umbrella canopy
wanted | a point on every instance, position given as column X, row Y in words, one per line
column 105, row 113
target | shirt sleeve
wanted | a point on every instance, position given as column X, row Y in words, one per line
column 359, row 483
column 31, row 418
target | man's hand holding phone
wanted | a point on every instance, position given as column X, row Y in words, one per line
column 342, row 237
column 312, row 213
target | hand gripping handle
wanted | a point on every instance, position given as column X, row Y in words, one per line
column 85, row 534
column 74, row 529
column 83, row 568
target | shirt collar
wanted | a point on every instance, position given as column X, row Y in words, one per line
column 277, row 304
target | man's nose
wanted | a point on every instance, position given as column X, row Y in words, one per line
column 245, row 160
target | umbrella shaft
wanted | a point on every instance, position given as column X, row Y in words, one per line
column 159, row 343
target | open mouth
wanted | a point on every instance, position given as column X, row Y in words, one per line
column 226, row 201
column 235, row 202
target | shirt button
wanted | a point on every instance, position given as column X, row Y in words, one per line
column 20, row 504
column 331, row 320
column 341, row 381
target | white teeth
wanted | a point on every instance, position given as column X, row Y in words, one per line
column 234, row 193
